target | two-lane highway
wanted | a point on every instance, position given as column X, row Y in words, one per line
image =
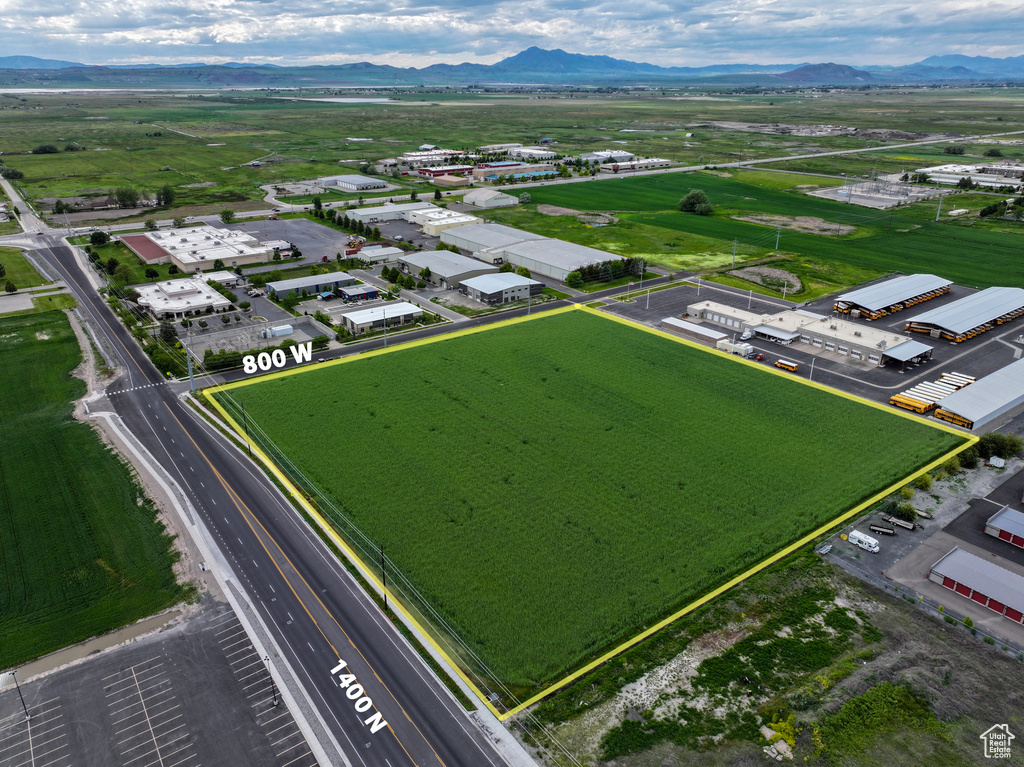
column 316, row 611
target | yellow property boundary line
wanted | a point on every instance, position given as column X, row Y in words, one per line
column 753, row 570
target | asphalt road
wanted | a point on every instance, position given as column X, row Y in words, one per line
column 316, row 611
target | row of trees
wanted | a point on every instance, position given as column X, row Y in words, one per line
column 605, row 271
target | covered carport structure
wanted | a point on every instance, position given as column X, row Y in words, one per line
column 970, row 316
column 883, row 298
column 996, row 396
column 777, row 335
column 907, row 352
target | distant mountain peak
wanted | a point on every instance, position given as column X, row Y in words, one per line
column 31, row 62
column 828, row 72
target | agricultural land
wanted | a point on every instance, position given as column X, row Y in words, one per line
column 83, row 552
column 687, row 468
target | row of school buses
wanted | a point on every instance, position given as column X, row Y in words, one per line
column 925, row 397
column 853, row 310
column 958, row 337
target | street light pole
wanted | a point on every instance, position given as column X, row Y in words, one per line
column 810, row 375
column 273, row 684
column 18, row 686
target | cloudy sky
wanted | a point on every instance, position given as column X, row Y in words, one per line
column 418, row 32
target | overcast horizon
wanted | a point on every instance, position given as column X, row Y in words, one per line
column 416, row 33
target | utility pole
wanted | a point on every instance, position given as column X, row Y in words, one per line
column 698, row 286
column 18, row 686
column 188, row 356
column 778, row 234
column 939, row 211
column 750, row 298
column 785, row 287
column 810, row 375
column 245, row 428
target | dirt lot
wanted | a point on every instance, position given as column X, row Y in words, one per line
column 807, row 224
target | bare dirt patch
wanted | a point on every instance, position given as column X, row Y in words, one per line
column 555, row 210
column 807, row 224
column 769, row 277
column 43, row 336
column 202, row 184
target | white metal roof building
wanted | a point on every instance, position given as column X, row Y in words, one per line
column 440, row 219
column 485, row 240
column 692, row 330
column 608, row 155
column 554, row 258
column 500, row 288
column 984, row 582
column 379, row 254
column 489, row 198
column 180, row 298
column 988, row 399
column 971, row 315
column 447, row 269
column 313, row 284
column 354, row 183
column 884, row 297
column 374, row 318
column 388, row 212
column 197, row 248
column 1007, row 525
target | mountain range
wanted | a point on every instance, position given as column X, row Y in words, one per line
column 533, row 65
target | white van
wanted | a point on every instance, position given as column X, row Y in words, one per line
column 866, row 542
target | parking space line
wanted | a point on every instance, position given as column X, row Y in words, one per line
column 282, row 740
column 270, row 732
column 300, row 756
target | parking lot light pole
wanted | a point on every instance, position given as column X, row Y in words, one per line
column 273, row 684
column 18, row 686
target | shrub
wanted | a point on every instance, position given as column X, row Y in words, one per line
column 906, row 492
column 954, row 149
column 951, row 620
column 905, row 512
column 952, row 466
column 989, row 640
column 994, row 152
column 968, row 623
column 924, row 482
column 99, row 238
column 693, row 198
column 1001, row 445
column 45, row 149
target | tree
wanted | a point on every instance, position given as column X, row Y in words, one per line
column 172, row 269
column 150, row 224
column 375, row 234
column 955, row 149
column 508, row 266
column 63, row 207
column 74, row 147
column 111, row 264
column 420, row 284
column 218, row 264
column 127, row 197
column 152, row 274
column 45, row 149
column 704, row 209
column 437, row 194
column 905, row 511
column 99, row 238
column 186, row 323
column 178, row 222
column 317, row 204
column 425, row 272
column 1000, row 445
column 12, row 174
column 227, row 216
column 123, row 274
column 168, row 333
column 3, row 271
column 574, row 280
column 203, row 324
column 244, row 306
column 414, row 196
column 522, row 271
column 994, row 152
column 692, row 199
column 525, row 197
column 10, row 287
column 165, row 196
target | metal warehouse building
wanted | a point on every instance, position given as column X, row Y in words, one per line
column 485, row 241
column 554, row 258
column 374, row 318
column 970, row 316
column 354, row 183
column 988, row 584
column 315, row 283
column 998, row 395
column 447, row 269
column 388, row 212
column 1007, row 525
column 890, row 296
column 691, row 330
column 500, row 288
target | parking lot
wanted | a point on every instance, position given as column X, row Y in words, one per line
column 195, row 694
column 314, row 240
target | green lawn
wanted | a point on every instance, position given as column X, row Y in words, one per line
column 19, row 270
column 82, row 550
column 551, row 504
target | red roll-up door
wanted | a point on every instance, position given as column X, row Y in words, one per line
column 1013, row 615
column 949, row 583
column 977, row 596
column 1018, row 541
column 1005, row 535
column 962, row 589
column 997, row 606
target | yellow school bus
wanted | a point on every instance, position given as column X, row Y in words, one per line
column 786, row 365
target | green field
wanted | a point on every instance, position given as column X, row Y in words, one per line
column 19, row 270
column 883, row 241
column 553, row 486
column 82, row 550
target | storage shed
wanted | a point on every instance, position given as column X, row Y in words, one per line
column 982, row 581
column 1007, row 525
column 692, row 330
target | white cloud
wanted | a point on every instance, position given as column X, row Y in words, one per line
column 416, row 32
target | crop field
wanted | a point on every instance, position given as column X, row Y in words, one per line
column 82, row 550
column 883, row 241
column 553, row 486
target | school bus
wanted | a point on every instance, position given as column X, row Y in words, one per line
column 786, row 365
column 953, row 418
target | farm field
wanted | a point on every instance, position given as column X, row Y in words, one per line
column 18, row 269
column 82, row 550
column 882, row 241
column 463, row 459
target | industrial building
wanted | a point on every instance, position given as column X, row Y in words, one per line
column 427, row 158
column 447, row 269
column 1006, row 173
column 379, row 254
column 485, row 241
column 225, row 279
column 451, row 182
column 497, row 148
column 608, row 156
column 391, row 314
column 876, row 301
column 358, row 292
column 995, row 397
column 554, row 258
column 444, row 170
column 179, row 298
column 196, row 249
column 1007, row 525
column 970, row 316
column 489, row 198
column 532, row 153
column 313, row 285
column 839, row 337
column 440, row 219
column 354, row 183
column 648, row 163
column 530, row 175
column 981, row 581
column 500, row 288
column 388, row 211
column 691, row 330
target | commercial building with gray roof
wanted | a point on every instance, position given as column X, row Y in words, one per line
column 500, row 288
column 997, row 396
column 901, row 292
column 554, row 258
column 447, row 269
column 984, row 582
column 315, row 283
column 485, row 241
column 971, row 315
column 1007, row 525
